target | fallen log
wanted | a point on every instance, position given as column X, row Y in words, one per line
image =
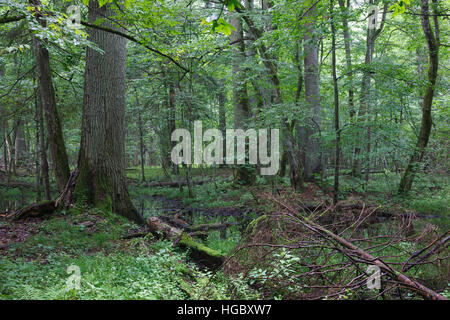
column 17, row 184
column 211, row 226
column 172, row 184
column 34, row 210
column 47, row 207
column 199, row 252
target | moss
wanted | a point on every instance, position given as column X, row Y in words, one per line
column 81, row 191
column 200, row 252
column 252, row 225
column 104, row 204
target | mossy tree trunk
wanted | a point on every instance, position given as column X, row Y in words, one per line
column 102, row 179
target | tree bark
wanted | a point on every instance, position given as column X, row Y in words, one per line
column 102, row 180
column 312, row 94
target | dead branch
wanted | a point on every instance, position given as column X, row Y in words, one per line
column 359, row 253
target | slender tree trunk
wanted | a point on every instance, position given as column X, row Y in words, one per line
column 336, row 107
column 19, row 144
column 141, row 136
column 43, row 153
column 172, row 120
column 47, row 93
column 364, row 108
column 102, row 180
column 10, row 149
column 222, row 118
column 37, row 151
column 300, row 129
column 432, row 39
column 141, row 146
column 5, row 151
column 348, row 57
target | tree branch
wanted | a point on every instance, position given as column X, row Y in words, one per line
column 6, row 19
column 133, row 39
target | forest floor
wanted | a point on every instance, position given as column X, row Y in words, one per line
column 35, row 253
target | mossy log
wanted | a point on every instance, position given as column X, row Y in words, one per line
column 172, row 184
column 198, row 252
column 17, row 184
column 211, row 226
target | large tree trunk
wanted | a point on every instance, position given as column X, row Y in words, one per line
column 102, row 180
column 244, row 175
column 425, row 127
column 312, row 94
column 47, row 93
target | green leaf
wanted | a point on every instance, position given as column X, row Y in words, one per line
column 101, row 3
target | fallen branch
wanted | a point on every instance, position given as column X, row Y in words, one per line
column 47, row 207
column 34, row 210
column 435, row 245
column 363, row 255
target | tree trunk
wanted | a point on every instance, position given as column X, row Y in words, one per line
column 54, row 130
column 432, row 39
column 19, row 144
column 348, row 57
column 102, row 179
column 244, row 175
column 222, row 118
column 141, row 136
column 289, row 143
column 43, row 153
column 364, row 108
column 312, row 95
column 336, row 107
column 172, row 121
column 37, row 153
